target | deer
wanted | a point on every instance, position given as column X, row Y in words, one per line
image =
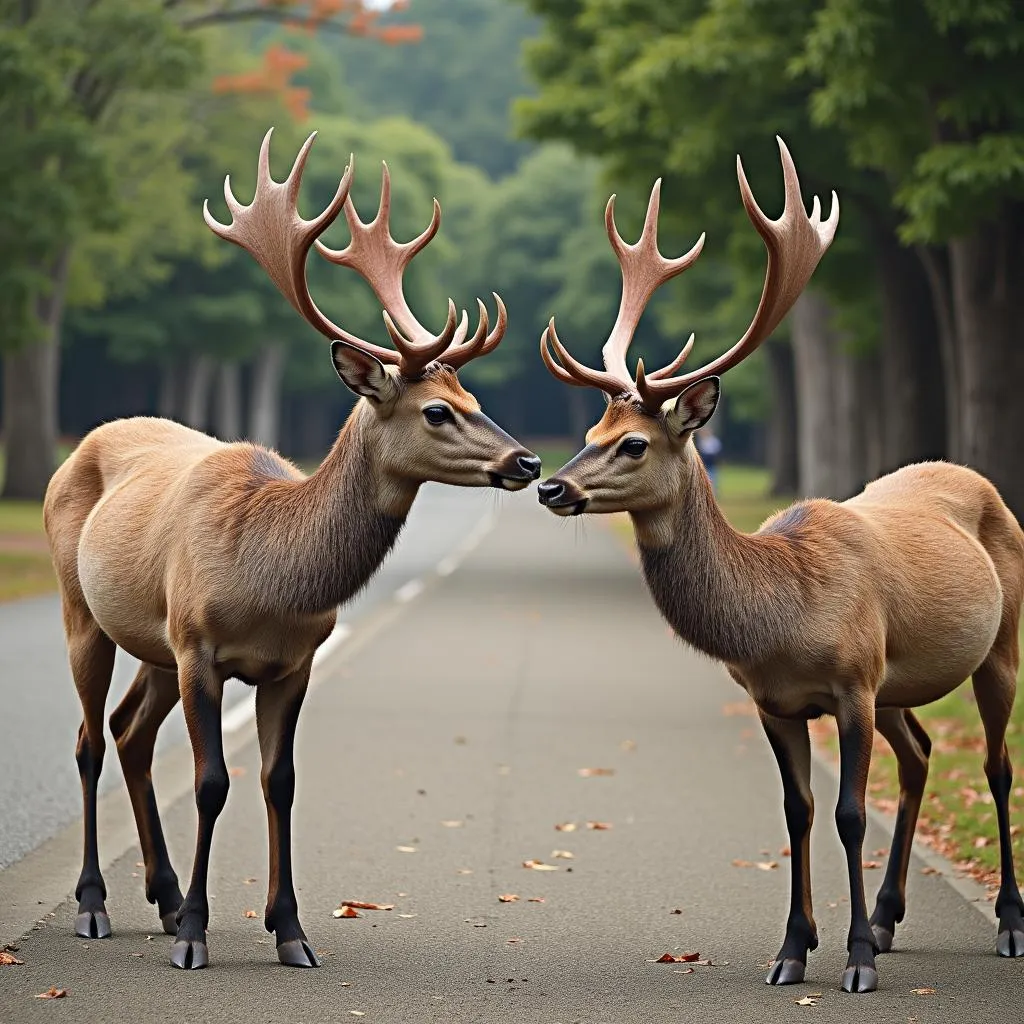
column 208, row 561
column 861, row 609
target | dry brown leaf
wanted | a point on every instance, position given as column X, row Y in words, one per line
column 566, row 826
column 453, row 823
column 806, row 1001
column 767, row 865
column 981, row 842
column 929, row 870
column 881, row 851
column 406, row 849
column 539, row 865
column 508, row 897
column 673, row 958
column 347, row 912
column 589, row 773
column 361, row 905
column 737, row 863
column 870, row 865
column 563, row 854
column 53, row 993
column 7, row 959
column 923, row 991
column 785, row 852
column 599, row 826
column 251, row 914
column 535, row 899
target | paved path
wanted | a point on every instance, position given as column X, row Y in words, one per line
column 478, row 702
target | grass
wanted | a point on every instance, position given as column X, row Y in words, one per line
column 25, row 568
column 957, row 816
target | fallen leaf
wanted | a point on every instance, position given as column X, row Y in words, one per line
column 673, row 958
column 767, row 865
column 53, row 993
column 929, row 870
column 345, row 984
column 627, row 746
column 360, row 905
column 785, row 852
column 563, row 854
column 512, row 942
column 347, row 912
column 508, row 897
column 881, row 852
column 453, row 823
column 539, row 865
column 981, row 842
column 406, row 849
column 806, row 1001
column 685, row 970
column 923, row 991
column 7, row 959
column 566, row 826
column 237, row 772
column 465, row 871
column 251, row 913
column 248, row 881
column 677, row 911
column 479, row 924
column 870, row 865
column 535, row 899
column 599, row 826
column 742, row 863
column 589, row 773
column 407, row 916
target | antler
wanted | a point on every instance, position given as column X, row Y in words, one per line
column 795, row 244
column 644, row 269
column 381, row 261
column 271, row 230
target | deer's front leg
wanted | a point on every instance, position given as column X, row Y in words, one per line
column 201, row 693
column 856, row 720
column 277, row 713
column 790, row 741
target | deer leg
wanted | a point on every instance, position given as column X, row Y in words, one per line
column 855, row 718
column 201, row 693
column 995, row 685
column 911, row 745
column 790, row 742
column 91, row 653
column 277, row 713
column 135, row 723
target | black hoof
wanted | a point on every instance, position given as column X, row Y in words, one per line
column 296, row 953
column 189, row 956
column 170, row 923
column 786, row 972
column 883, row 938
column 92, row 925
column 860, row 978
column 1009, row 942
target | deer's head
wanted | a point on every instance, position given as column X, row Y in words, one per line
column 634, row 460
column 422, row 423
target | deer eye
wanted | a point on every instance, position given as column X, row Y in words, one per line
column 435, row 415
column 634, row 447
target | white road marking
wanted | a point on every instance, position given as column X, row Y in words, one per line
column 407, row 591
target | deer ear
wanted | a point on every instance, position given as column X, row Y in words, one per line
column 694, row 407
column 363, row 373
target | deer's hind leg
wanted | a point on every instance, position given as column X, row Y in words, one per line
column 911, row 745
column 995, row 686
column 135, row 724
column 91, row 653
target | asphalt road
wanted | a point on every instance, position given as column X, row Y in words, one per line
column 477, row 701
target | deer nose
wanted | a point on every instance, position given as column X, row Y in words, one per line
column 530, row 465
column 549, row 491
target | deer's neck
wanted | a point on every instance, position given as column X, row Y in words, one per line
column 733, row 596
column 333, row 530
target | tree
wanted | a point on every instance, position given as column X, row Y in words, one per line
column 73, row 72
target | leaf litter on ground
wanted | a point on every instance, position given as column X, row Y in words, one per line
column 8, row 959
column 363, row 905
column 53, row 993
column 590, row 773
column 539, row 865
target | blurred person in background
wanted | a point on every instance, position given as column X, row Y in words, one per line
column 709, row 447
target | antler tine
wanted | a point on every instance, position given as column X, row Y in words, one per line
column 484, row 340
column 795, row 244
column 271, row 230
column 381, row 261
column 667, row 371
column 644, row 269
column 577, row 371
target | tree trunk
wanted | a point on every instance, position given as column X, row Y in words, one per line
column 814, row 342
column 857, row 419
column 30, row 422
column 783, row 428
column 195, row 404
column 936, row 263
column 265, row 396
column 228, row 407
column 911, row 365
column 987, row 273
